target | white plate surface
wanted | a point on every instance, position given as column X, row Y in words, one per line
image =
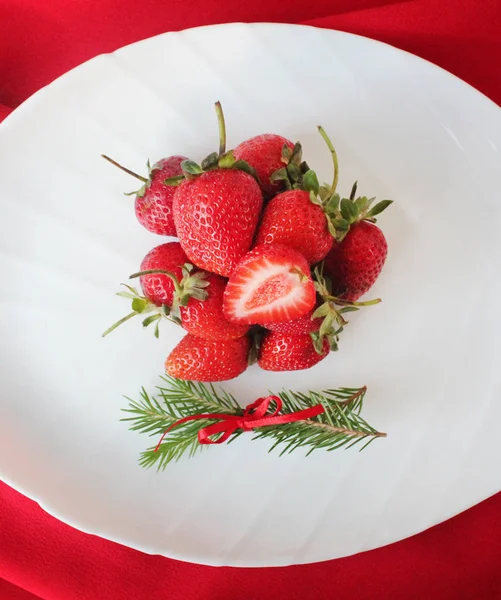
column 429, row 353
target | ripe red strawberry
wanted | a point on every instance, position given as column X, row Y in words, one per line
column 196, row 359
column 305, row 324
column 159, row 289
column 205, row 318
column 272, row 283
column 282, row 352
column 292, row 219
column 355, row 263
column 216, row 215
column 153, row 205
column 265, row 154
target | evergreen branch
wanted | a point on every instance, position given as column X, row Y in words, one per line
column 340, row 425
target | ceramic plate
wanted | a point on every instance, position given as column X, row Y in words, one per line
column 429, row 353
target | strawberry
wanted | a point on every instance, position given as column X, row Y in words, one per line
column 153, row 203
column 271, row 283
column 196, row 359
column 265, row 153
column 216, row 215
column 309, row 217
column 355, row 263
column 161, row 290
column 284, row 352
column 205, row 318
column 217, row 206
column 158, row 288
column 305, row 324
column 291, row 218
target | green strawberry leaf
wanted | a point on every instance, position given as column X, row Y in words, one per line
column 243, row 165
column 151, row 319
column 362, row 203
column 349, row 210
column 347, row 309
column 227, row 160
column 297, row 154
column 310, row 182
column 331, row 228
column 210, row 161
column 379, row 207
column 279, row 175
column 286, row 154
column 324, row 192
column 332, row 205
column 341, row 224
column 139, row 304
column 190, row 167
column 175, row 180
column 333, row 341
column 353, row 192
column 314, row 199
column 293, row 172
column 322, row 311
column 127, row 295
column 327, row 325
column 318, row 342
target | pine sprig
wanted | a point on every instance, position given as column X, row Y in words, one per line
column 339, row 425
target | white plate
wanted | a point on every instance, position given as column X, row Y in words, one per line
column 429, row 354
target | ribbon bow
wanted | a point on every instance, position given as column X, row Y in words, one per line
column 254, row 415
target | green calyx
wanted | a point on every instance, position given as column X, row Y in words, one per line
column 145, row 180
column 341, row 213
column 215, row 160
column 294, row 170
column 140, row 305
column 332, row 311
column 192, row 285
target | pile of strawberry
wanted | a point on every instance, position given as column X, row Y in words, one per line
column 267, row 263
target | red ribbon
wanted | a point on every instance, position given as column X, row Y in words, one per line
column 255, row 415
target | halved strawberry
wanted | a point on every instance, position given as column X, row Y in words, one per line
column 272, row 283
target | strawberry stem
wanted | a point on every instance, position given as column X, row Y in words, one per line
column 118, row 323
column 222, row 128
column 114, row 162
column 334, row 158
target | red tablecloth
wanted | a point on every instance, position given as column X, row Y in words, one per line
column 41, row 557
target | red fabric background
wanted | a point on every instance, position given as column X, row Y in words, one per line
column 41, row 557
